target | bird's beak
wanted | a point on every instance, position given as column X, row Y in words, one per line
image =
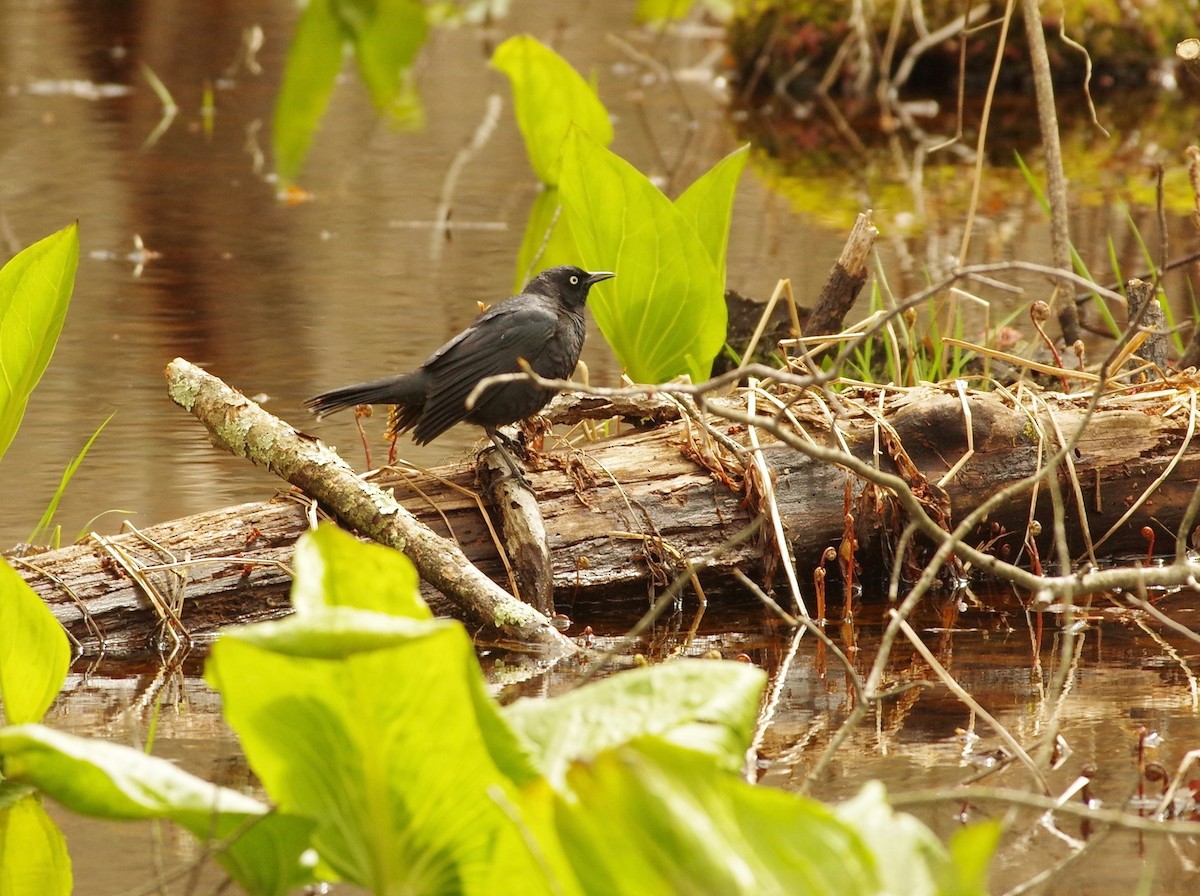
column 598, row 276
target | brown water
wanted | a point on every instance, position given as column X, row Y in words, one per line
column 285, row 301
column 1129, row 681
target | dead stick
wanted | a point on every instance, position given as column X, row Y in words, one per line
column 845, row 281
column 523, row 531
column 1188, row 52
column 246, row 430
column 1056, row 182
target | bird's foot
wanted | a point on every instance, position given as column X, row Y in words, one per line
column 503, row 443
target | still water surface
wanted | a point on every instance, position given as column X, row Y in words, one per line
column 284, row 301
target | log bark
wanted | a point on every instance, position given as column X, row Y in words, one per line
column 243, row 428
column 617, row 511
column 522, row 532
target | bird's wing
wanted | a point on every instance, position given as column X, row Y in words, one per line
column 492, row 345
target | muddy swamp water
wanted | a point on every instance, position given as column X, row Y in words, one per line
column 187, row 250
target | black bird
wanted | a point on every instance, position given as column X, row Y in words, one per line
column 543, row 325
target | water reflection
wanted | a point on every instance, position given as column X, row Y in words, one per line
column 1129, row 680
column 286, row 300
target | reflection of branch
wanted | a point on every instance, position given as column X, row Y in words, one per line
column 170, row 109
column 668, row 597
column 1115, row 817
column 961, row 693
column 947, row 31
column 483, row 133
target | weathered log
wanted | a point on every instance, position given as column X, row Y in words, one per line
column 245, row 429
column 612, row 508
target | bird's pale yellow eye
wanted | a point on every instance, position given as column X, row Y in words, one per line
column 574, row 280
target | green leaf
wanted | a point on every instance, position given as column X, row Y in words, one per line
column 392, row 747
column 33, row 852
column 333, row 569
column 35, row 290
column 548, row 95
column 386, row 35
column 704, row 705
column 335, row 632
column 313, row 62
column 34, row 653
column 910, row 858
column 971, row 851
column 708, row 204
column 651, row 818
column 661, row 10
column 664, row 314
column 107, row 780
column 547, row 241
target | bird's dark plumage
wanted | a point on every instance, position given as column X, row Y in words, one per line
column 543, row 325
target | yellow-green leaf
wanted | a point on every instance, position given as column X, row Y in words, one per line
column 313, row 62
column 549, row 95
column 547, row 241
column 664, row 314
column 34, row 654
column 386, row 35
column 33, row 852
column 708, row 204
column 35, row 290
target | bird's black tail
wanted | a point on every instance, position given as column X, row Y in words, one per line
column 405, row 390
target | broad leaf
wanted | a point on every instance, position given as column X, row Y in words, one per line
column 547, row 241
column 659, row 11
column 386, row 35
column 334, row 569
column 35, row 290
column 664, row 314
column 33, row 852
column 548, row 95
column 391, row 746
column 910, row 858
column 652, row 818
column 314, row 60
column 971, row 851
column 34, row 653
column 704, row 705
column 708, row 204
column 94, row 777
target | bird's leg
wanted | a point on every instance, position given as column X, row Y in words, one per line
column 363, row 410
column 499, row 441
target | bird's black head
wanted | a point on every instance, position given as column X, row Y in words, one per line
column 566, row 283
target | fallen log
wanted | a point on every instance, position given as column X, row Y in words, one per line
column 624, row 512
column 240, row 426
